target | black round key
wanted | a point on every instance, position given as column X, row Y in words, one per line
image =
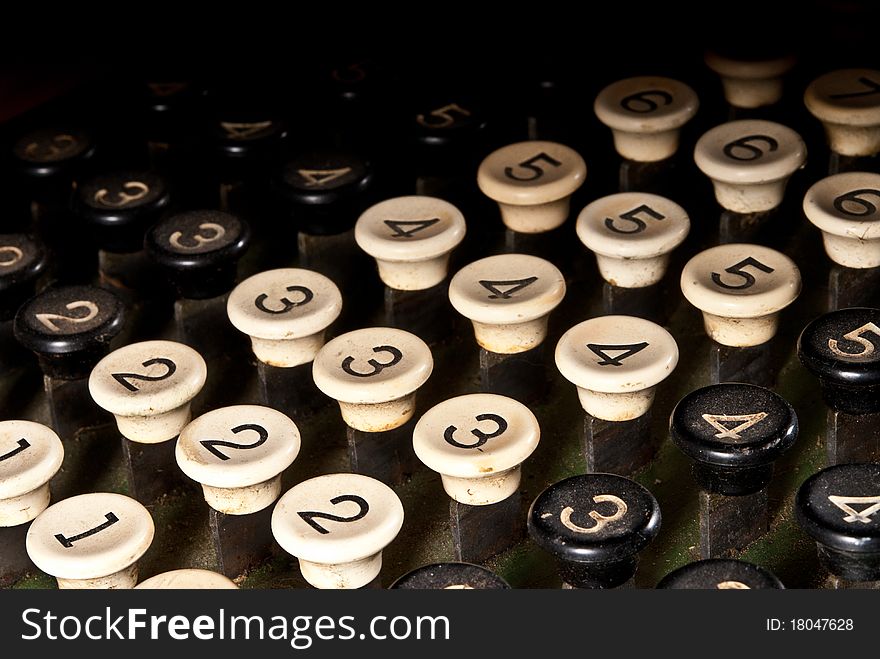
column 450, row 576
column 69, row 328
column 326, row 190
column 199, row 251
column 22, row 260
column 52, row 154
column 842, row 348
column 119, row 207
column 247, row 136
column 839, row 507
column 166, row 102
column 241, row 129
column 720, row 574
column 448, row 122
column 354, row 82
column 594, row 525
column 355, row 113
column 733, row 432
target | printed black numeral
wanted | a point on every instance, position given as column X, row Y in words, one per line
column 123, row 378
column 22, row 445
column 516, row 285
column 744, row 144
column 873, row 88
column 68, row 542
column 536, row 171
column 481, row 436
column 406, row 228
column 630, row 216
column 642, row 102
column 378, row 366
column 628, row 350
column 212, row 444
column 737, row 269
column 288, row 304
column 853, row 198
column 309, row 517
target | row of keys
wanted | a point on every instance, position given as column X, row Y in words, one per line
column 337, row 526
column 632, row 235
column 749, row 161
column 508, row 298
column 645, row 114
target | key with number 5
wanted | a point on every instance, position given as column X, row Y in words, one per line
column 842, row 349
column 741, row 290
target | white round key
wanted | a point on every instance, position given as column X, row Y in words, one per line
column 508, row 298
column 477, row 443
column 411, row 239
column 374, row 374
column 740, row 289
column 645, row 115
column 532, row 183
column 337, row 526
column 91, row 540
column 847, row 102
column 844, row 207
column 285, row 312
column 750, row 84
column 632, row 235
column 148, row 387
column 188, row 579
column 238, row 454
column 616, row 362
column 750, row 162
column 30, row 455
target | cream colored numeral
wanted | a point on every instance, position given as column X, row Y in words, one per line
column 601, row 520
column 315, row 177
column 48, row 318
column 732, row 585
column 442, row 117
column 217, row 232
column 15, row 255
column 748, row 420
column 59, row 145
column 459, row 586
column 131, row 191
column 853, row 515
column 856, row 335
column 242, row 131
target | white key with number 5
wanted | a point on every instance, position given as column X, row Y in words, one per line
column 532, row 183
column 632, row 235
column 740, row 289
